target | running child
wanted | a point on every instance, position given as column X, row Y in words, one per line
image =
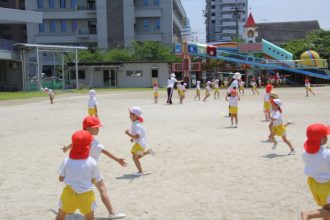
column 92, row 104
column 207, row 90
column 267, row 105
column 308, row 87
column 317, row 167
column 278, row 127
column 215, row 84
column 181, row 90
column 92, row 124
column 78, row 172
column 254, row 86
column 241, row 84
column 233, row 107
column 51, row 94
column 138, row 137
column 198, row 90
column 156, row 92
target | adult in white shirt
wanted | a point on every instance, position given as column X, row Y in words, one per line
column 170, row 86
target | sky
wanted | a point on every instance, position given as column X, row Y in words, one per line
column 266, row 11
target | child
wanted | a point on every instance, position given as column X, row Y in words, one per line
column 137, row 135
column 308, row 87
column 198, row 90
column 254, row 86
column 241, row 86
column 267, row 104
column 207, row 90
column 181, row 91
column 317, row 167
column 78, row 172
column 233, row 109
column 216, row 89
column 51, row 95
column 92, row 124
column 278, row 127
column 92, row 104
column 156, row 92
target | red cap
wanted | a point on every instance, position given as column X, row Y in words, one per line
column 233, row 91
column 315, row 133
column 91, row 122
column 81, row 141
column 269, row 88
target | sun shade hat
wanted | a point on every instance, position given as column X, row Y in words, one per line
column 269, row 88
column 91, row 122
column 136, row 111
column 81, row 141
column 315, row 133
column 172, row 75
column 237, row 75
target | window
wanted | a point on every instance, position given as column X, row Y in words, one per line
column 51, row 3
column 157, row 24
column 156, row 2
column 41, row 28
column 154, row 73
column 74, row 26
column 213, row 6
column 145, row 24
column 81, row 74
column 52, row 26
column 145, row 2
column 40, row 3
column 74, row 4
column 136, row 73
column 213, row 14
column 63, row 26
column 62, row 4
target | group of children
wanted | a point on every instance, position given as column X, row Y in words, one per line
column 80, row 170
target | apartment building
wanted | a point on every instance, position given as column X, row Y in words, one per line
column 224, row 18
column 106, row 24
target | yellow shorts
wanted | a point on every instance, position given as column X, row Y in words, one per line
column 207, row 92
column 267, row 106
column 181, row 93
column 233, row 110
column 308, row 88
column 254, row 87
column 320, row 191
column 279, row 130
column 198, row 92
column 71, row 201
column 156, row 94
column 137, row 149
column 91, row 112
column 241, row 87
column 216, row 90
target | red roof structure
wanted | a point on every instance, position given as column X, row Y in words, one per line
column 250, row 21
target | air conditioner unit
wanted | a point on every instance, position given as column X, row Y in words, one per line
column 12, row 65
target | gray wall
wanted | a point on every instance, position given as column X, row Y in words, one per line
column 10, row 78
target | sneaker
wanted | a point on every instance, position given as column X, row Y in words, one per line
column 274, row 146
column 151, row 152
column 236, row 126
column 117, row 216
column 292, row 152
column 138, row 174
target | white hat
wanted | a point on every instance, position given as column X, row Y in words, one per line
column 92, row 93
column 198, row 82
column 208, row 82
column 237, row 75
column 136, row 111
column 278, row 102
column 172, row 75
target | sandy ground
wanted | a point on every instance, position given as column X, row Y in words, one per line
column 202, row 170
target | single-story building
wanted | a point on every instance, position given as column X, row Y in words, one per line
column 118, row 74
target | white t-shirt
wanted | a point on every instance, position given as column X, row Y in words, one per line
column 278, row 116
column 241, row 83
column 79, row 174
column 170, row 82
column 156, row 88
column 266, row 97
column 137, row 128
column 233, row 101
column 198, row 87
column 307, row 84
column 253, row 83
column 233, row 85
column 50, row 92
column 216, row 84
column 92, row 103
column 318, row 165
column 181, row 87
column 208, row 88
column 96, row 149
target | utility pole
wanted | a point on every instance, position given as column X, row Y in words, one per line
column 237, row 17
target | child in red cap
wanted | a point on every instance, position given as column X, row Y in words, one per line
column 317, row 167
column 267, row 105
column 92, row 124
column 233, row 107
column 308, row 87
column 138, row 136
column 278, row 128
column 156, row 92
column 78, row 172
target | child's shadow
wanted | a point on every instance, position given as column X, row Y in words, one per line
column 76, row 216
column 273, row 155
column 127, row 177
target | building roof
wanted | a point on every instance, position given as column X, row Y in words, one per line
column 280, row 32
column 250, row 21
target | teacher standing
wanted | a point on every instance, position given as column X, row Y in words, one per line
column 170, row 86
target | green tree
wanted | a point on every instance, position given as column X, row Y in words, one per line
column 117, row 54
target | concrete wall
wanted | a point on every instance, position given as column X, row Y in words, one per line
column 10, row 75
